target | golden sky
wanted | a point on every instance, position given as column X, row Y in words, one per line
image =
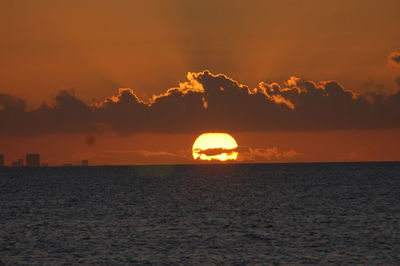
column 96, row 47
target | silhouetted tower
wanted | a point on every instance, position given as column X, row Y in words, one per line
column 85, row 163
column 18, row 163
column 1, row 160
column 32, row 160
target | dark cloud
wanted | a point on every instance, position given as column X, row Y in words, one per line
column 11, row 104
column 394, row 61
column 216, row 151
column 206, row 103
column 395, row 58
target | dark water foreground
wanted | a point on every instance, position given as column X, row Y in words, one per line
column 206, row 214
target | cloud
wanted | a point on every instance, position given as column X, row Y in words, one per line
column 266, row 154
column 206, row 102
column 140, row 157
column 11, row 104
column 216, row 151
column 394, row 59
column 245, row 154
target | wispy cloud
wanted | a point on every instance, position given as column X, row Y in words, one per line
column 267, row 154
column 138, row 157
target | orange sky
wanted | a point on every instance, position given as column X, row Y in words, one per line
column 376, row 145
column 96, row 47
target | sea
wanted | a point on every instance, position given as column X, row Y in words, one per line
column 222, row 214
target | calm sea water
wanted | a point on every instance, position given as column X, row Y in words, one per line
column 206, row 214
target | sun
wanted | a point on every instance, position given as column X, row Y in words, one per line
column 215, row 146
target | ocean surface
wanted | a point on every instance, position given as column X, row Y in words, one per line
column 326, row 213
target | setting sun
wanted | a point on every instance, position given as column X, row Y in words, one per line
column 215, row 146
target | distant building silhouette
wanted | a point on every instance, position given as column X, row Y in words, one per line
column 45, row 164
column 18, row 163
column 85, row 163
column 1, row 160
column 32, row 160
column 67, row 164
